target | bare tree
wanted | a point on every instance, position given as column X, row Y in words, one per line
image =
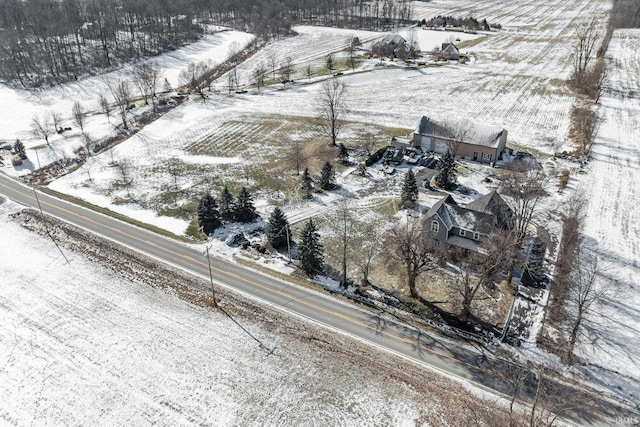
column 351, row 54
column 56, row 121
column 476, row 269
column 523, row 190
column 585, row 126
column 408, row 245
column 296, row 156
column 332, row 106
column 286, row 69
column 42, row 127
column 365, row 243
column 173, row 167
column 196, row 77
column 147, row 76
column 104, row 106
column 121, row 92
column 309, row 71
column 589, row 287
column 516, row 376
column 341, row 223
column 259, row 75
column 78, row 115
column 585, row 49
column 368, row 141
column 571, row 222
column 124, row 167
column 329, row 63
column 273, row 60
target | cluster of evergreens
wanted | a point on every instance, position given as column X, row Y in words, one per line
column 212, row 213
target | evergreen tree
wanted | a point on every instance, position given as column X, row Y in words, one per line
column 306, row 184
column 278, row 228
column 19, row 149
column 409, row 195
column 327, row 177
column 310, row 250
column 244, row 211
column 343, row 155
column 227, row 208
column 446, row 176
column 208, row 214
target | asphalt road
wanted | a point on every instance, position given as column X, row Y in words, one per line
column 455, row 359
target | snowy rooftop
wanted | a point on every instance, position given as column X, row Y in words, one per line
column 465, row 131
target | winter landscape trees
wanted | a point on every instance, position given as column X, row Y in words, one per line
column 310, row 249
column 53, row 42
column 331, row 108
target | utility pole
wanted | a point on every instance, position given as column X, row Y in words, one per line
column 47, row 226
column 286, row 230
column 37, row 157
column 213, row 292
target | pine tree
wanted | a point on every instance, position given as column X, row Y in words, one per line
column 409, row 195
column 306, row 184
column 208, row 214
column 310, row 250
column 327, row 177
column 244, row 210
column 278, row 228
column 343, row 155
column 19, row 149
column 446, row 176
column 227, row 208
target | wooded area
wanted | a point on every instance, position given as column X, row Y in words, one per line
column 53, row 41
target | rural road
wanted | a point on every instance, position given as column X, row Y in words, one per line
column 454, row 359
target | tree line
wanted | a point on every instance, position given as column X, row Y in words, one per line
column 53, row 41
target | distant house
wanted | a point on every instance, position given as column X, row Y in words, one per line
column 393, row 45
column 449, row 51
column 466, row 226
column 467, row 140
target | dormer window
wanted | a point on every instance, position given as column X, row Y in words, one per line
column 463, row 232
column 476, row 236
column 435, row 226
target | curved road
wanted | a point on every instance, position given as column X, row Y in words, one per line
column 453, row 359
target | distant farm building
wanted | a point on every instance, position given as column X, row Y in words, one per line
column 393, row 46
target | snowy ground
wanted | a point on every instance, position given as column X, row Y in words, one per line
column 81, row 345
column 516, row 80
column 612, row 221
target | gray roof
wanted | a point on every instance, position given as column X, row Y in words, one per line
column 494, row 205
column 482, row 215
column 468, row 219
column 467, row 131
column 449, row 48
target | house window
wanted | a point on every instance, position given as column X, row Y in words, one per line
column 486, row 156
column 463, row 232
column 435, row 226
column 476, row 236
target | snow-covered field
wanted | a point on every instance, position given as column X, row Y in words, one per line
column 515, row 80
column 19, row 106
column 81, row 345
column 612, row 220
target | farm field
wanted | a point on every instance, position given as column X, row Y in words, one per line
column 515, row 79
column 612, row 221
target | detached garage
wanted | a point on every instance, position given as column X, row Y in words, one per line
column 464, row 139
